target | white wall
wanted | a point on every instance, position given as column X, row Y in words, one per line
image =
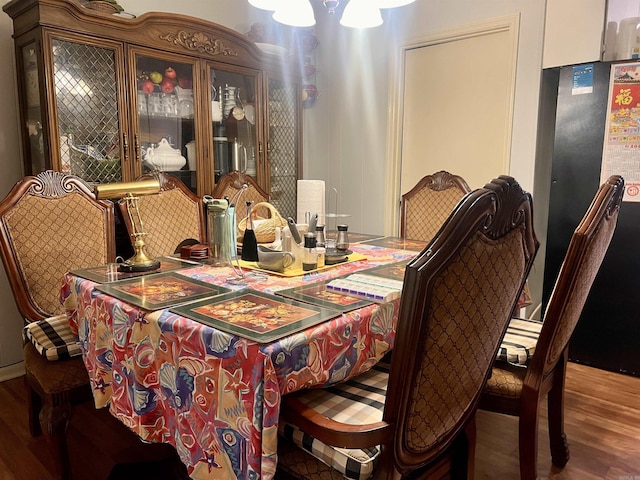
column 11, row 167
column 345, row 132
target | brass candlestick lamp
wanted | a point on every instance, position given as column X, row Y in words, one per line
column 128, row 193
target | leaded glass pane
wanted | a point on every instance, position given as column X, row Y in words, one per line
column 87, row 104
column 283, row 148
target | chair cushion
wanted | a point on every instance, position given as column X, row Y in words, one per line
column 53, row 338
column 357, row 401
column 506, row 382
column 519, row 343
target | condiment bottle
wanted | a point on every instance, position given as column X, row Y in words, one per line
column 310, row 256
column 249, row 241
column 320, row 236
column 321, row 253
column 342, row 242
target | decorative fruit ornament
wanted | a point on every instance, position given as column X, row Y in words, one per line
column 155, row 77
column 170, row 73
column 167, row 85
column 185, row 82
column 148, row 86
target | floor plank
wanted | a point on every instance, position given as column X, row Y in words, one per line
column 602, row 424
column 602, row 420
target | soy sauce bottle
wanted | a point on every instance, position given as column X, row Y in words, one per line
column 249, row 241
column 310, row 256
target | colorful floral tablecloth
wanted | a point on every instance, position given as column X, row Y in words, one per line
column 215, row 396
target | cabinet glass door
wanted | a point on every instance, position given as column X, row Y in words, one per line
column 283, row 147
column 233, row 118
column 35, row 148
column 166, row 124
column 86, row 99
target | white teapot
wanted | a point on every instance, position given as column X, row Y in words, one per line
column 164, row 157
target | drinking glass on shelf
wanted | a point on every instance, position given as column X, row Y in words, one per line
column 155, row 104
column 169, row 104
column 142, row 104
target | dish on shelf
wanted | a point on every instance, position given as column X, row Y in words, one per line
column 250, row 113
column 164, row 157
column 333, row 256
column 272, row 49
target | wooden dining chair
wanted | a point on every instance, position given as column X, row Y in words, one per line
column 519, row 390
column 229, row 186
column 429, row 203
column 52, row 223
column 417, row 419
column 169, row 217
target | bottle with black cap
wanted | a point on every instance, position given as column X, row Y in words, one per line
column 249, row 241
column 342, row 242
column 310, row 257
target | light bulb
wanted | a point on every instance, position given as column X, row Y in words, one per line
column 297, row 13
column 393, row 3
column 361, row 14
column 265, row 4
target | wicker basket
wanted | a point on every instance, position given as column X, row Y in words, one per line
column 104, row 7
column 264, row 227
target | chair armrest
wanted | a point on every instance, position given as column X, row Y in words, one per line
column 329, row 431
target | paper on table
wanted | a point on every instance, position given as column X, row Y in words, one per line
column 311, row 198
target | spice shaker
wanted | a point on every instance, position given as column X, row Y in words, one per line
column 320, row 242
column 342, row 241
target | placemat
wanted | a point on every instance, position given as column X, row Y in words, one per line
column 397, row 242
column 162, row 290
column 318, row 294
column 110, row 273
column 255, row 315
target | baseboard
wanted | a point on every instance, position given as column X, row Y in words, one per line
column 11, row 371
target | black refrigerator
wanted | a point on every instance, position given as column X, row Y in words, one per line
column 608, row 333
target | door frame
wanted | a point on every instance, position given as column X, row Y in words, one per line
column 509, row 24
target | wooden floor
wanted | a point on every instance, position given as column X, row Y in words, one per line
column 602, row 422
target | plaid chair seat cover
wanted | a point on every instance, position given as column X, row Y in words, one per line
column 519, row 342
column 53, row 338
column 356, row 401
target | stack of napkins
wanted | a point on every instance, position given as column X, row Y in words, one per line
column 370, row 287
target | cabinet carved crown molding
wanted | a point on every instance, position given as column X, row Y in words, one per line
column 199, row 42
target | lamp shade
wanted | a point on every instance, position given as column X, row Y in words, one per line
column 265, row 4
column 297, row 13
column 361, row 14
column 392, row 3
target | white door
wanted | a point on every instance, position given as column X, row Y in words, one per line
column 453, row 107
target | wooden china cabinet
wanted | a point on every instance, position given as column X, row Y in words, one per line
column 107, row 98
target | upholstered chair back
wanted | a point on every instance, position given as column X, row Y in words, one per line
column 429, row 203
column 588, row 246
column 229, row 186
column 52, row 223
column 458, row 297
column 169, row 217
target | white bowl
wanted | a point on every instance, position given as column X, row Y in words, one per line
column 167, row 163
column 272, row 49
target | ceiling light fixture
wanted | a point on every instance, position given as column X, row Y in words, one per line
column 357, row 13
column 297, row 13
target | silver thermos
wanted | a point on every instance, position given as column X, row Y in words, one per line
column 221, row 244
column 238, row 156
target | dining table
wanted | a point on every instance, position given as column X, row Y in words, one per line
column 215, row 395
